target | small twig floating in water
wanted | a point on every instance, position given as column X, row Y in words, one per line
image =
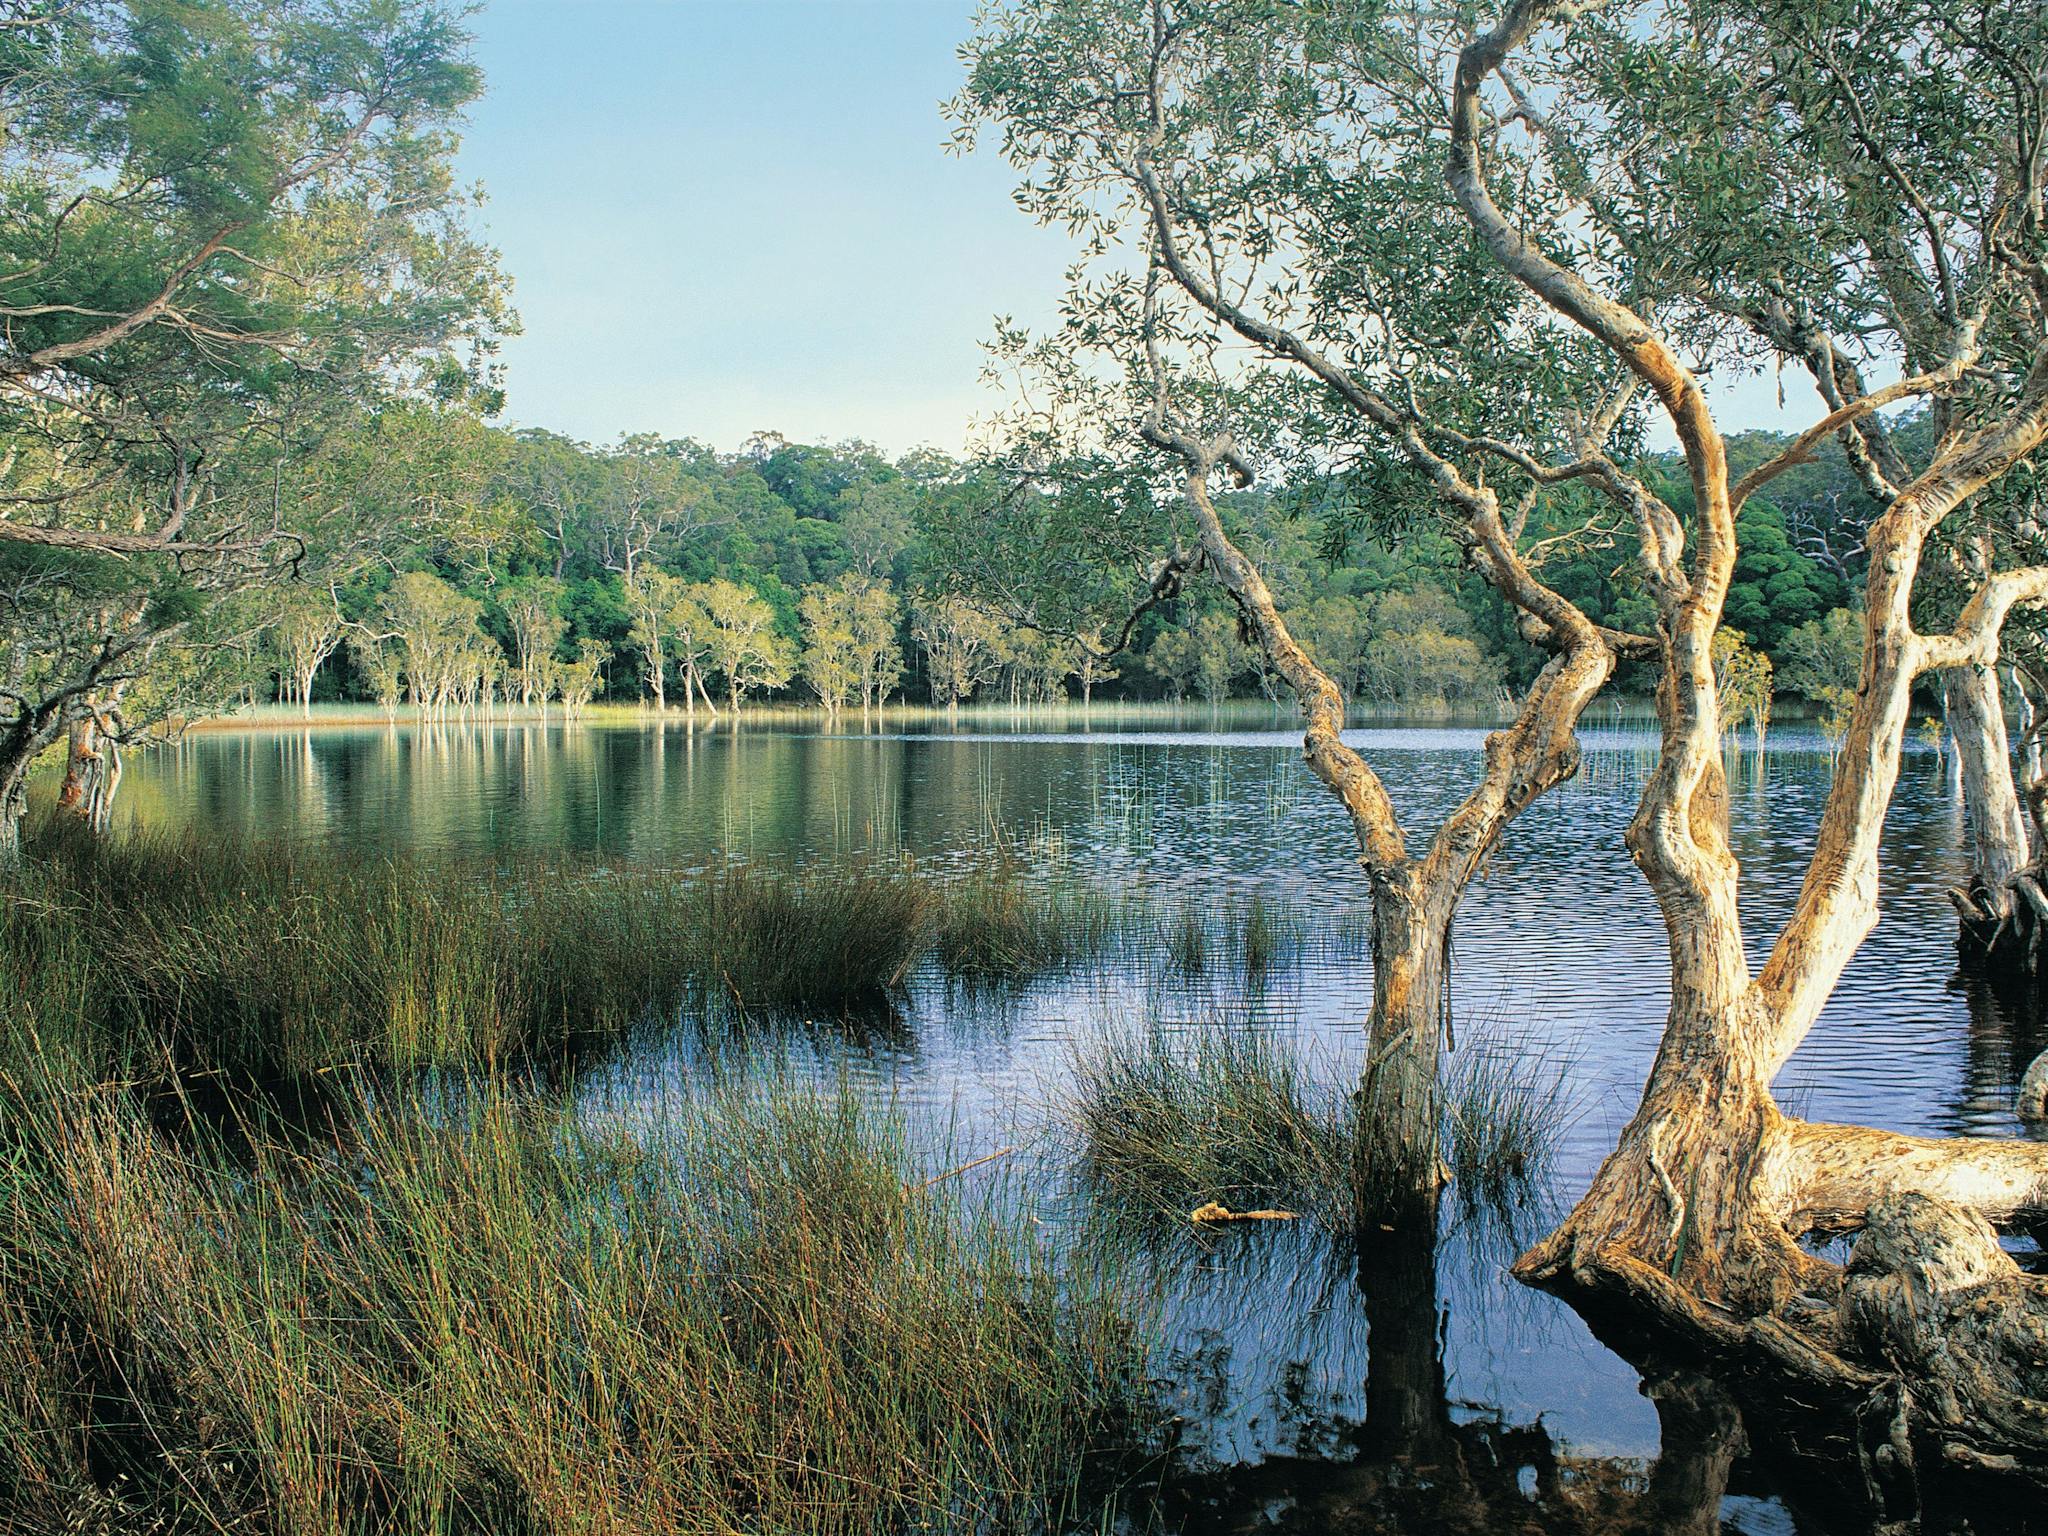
column 1204, row 1215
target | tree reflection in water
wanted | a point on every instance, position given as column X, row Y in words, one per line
column 1418, row 1462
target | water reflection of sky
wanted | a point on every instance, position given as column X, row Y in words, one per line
column 1558, row 951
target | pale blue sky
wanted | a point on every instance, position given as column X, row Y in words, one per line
column 724, row 216
column 728, row 215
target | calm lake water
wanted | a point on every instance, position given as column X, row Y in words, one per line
column 1476, row 1390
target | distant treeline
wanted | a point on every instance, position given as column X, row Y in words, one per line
column 660, row 570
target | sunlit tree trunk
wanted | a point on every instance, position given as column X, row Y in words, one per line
column 81, row 762
column 1696, row 1217
column 2002, row 908
column 1414, row 900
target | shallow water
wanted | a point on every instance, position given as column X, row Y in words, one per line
column 1484, row 1391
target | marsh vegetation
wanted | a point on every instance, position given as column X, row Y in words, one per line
column 298, row 1239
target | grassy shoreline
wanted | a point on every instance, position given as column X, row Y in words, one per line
column 492, row 1319
column 281, row 717
column 165, row 957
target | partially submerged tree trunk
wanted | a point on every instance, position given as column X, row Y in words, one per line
column 1421, row 1460
column 1697, row 1217
column 1414, row 900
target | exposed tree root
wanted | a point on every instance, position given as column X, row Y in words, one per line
column 1931, row 1294
column 1932, row 1336
column 2003, row 931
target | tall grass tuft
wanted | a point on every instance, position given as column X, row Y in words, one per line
column 1268, row 937
column 820, row 936
column 1164, row 1120
column 1168, row 1119
column 1000, row 924
column 485, row 1318
column 1187, row 940
column 1504, row 1108
column 153, row 957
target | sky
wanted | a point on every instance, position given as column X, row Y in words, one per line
column 727, row 216
column 731, row 216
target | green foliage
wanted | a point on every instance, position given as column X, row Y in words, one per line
column 1821, row 659
column 1005, row 600
column 1742, row 678
column 1775, row 589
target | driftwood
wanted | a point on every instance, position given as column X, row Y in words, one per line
column 1213, row 1212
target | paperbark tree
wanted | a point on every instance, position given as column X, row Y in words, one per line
column 831, row 659
column 533, row 615
column 577, row 681
column 740, row 637
column 1697, row 1216
column 1874, row 239
column 959, row 642
column 307, row 630
column 651, row 596
column 877, row 656
column 690, row 632
column 435, row 629
column 1296, row 214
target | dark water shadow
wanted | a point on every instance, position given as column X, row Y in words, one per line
column 1737, row 1454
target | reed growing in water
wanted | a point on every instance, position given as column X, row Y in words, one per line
column 1163, row 1120
column 482, row 1316
column 154, row 957
column 1001, row 924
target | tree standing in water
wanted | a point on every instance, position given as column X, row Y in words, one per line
column 1491, row 255
column 651, row 598
column 830, row 663
column 959, row 642
column 1283, row 212
column 742, row 641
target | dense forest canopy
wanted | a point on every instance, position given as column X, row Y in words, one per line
column 556, row 550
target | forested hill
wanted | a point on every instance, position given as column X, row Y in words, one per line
column 660, row 568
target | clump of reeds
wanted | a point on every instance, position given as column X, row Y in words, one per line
column 1187, row 940
column 820, row 936
column 1172, row 1118
column 1268, row 937
column 1002, row 924
column 485, row 1318
column 161, row 958
column 149, row 956
column 1261, row 935
column 1503, row 1108
column 1165, row 1120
